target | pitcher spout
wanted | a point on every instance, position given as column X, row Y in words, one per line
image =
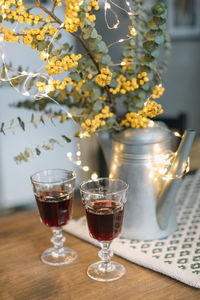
column 166, row 205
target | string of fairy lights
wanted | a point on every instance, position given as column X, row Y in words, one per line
column 163, row 161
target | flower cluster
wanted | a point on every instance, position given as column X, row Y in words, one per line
column 9, row 35
column 91, row 125
column 39, row 34
column 158, row 91
column 16, row 11
column 59, row 3
column 135, row 120
column 104, row 78
column 143, row 77
column 127, row 64
column 124, row 85
column 141, row 118
column 54, row 85
column 56, row 66
column 151, row 109
column 72, row 20
column 90, row 17
column 93, row 5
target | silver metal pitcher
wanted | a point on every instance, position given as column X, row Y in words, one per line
column 136, row 156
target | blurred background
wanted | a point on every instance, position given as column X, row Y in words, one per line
column 181, row 98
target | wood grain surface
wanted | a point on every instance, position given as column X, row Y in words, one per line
column 24, row 277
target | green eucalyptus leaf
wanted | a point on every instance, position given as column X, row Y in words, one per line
column 155, row 32
column 159, row 8
column 66, row 46
column 96, row 92
column 93, row 34
column 59, row 36
column 142, row 94
column 147, row 58
column 68, row 140
column 87, row 22
column 152, row 24
column 153, row 65
column 21, row 123
column 57, row 52
column 106, row 59
column 113, row 83
column 50, row 47
column 146, row 86
column 33, row 121
column 159, row 39
column 37, row 150
column 102, row 47
column 159, row 21
column 75, row 76
column 89, row 85
column 150, row 46
column 149, row 37
column 97, row 106
column 63, row 118
column 31, row 83
column 145, row 68
column 2, row 128
column 42, row 119
column 111, row 121
column 42, row 45
column 163, row 27
column 155, row 53
column 62, row 95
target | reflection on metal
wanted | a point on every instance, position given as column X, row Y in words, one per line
column 143, row 158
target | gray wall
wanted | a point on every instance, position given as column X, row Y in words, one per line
column 182, row 82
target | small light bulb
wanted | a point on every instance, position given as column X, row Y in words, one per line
column 177, row 134
column 69, row 154
column 26, row 94
column 107, row 5
column 151, row 123
column 85, row 168
column 94, row 176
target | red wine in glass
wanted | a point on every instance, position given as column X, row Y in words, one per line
column 54, row 207
column 104, row 219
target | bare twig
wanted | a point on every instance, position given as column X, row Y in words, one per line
column 54, row 6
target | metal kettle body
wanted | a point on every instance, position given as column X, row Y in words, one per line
column 150, row 211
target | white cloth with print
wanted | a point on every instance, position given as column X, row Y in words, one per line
column 177, row 256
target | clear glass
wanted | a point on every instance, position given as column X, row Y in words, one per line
column 104, row 201
column 54, row 193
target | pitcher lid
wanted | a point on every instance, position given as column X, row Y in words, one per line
column 148, row 135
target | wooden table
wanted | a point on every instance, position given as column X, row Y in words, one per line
column 24, row 277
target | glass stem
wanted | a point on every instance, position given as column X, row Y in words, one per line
column 58, row 239
column 105, row 254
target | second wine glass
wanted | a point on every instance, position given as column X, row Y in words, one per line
column 104, row 201
column 54, row 192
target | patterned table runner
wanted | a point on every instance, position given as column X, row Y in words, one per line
column 177, row 256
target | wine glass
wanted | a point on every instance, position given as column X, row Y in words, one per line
column 104, row 201
column 54, row 192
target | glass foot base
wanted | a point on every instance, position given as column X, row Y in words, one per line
column 114, row 272
column 55, row 258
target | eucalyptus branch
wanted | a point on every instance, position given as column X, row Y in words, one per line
column 93, row 83
column 54, row 6
column 86, row 48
